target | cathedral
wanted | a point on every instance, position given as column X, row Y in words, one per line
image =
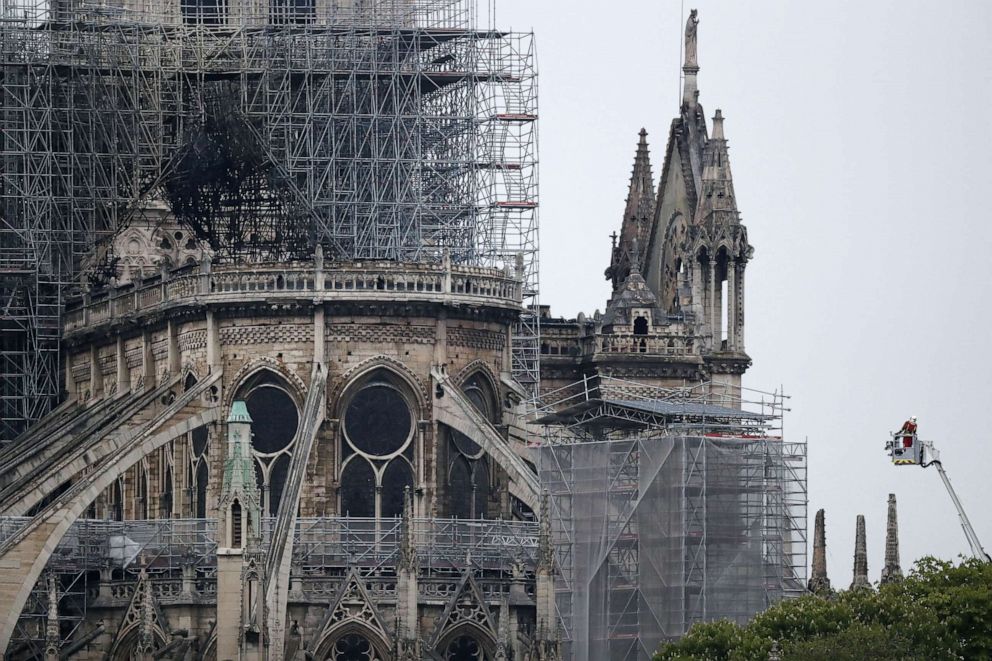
column 308, row 404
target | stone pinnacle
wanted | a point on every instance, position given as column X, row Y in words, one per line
column 860, row 556
column 891, row 571
column 818, row 582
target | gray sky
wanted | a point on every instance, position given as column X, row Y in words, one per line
column 859, row 137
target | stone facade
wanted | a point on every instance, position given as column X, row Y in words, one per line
column 381, row 403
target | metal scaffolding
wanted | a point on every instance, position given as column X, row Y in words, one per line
column 384, row 129
column 668, row 515
column 99, row 563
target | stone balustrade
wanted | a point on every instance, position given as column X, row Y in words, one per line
column 457, row 285
column 653, row 345
column 676, row 346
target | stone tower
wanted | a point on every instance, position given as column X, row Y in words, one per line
column 891, row 571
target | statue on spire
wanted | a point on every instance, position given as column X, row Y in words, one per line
column 691, row 27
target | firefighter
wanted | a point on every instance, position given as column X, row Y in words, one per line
column 908, row 432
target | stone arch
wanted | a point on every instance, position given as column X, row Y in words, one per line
column 253, row 368
column 355, row 377
column 124, row 647
column 25, row 554
column 483, row 636
column 330, row 638
column 479, row 368
column 474, row 367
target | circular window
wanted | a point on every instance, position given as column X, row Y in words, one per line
column 274, row 419
column 466, row 445
column 378, row 421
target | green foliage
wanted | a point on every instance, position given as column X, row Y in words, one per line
column 940, row 611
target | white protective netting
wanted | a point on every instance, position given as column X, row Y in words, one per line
column 655, row 533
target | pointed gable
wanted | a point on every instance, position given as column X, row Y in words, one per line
column 466, row 607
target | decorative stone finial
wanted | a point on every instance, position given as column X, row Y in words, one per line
column 818, row 582
column 860, row 556
column 718, row 125
column 891, row 571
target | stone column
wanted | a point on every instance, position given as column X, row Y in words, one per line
column 147, row 361
column 713, row 311
column 96, row 373
column 732, row 305
column 741, row 308
column 213, row 343
column 860, row 556
column 818, row 582
column 891, row 571
column 123, row 374
column 172, row 339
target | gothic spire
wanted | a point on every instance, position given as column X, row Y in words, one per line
column 891, row 571
column 818, row 582
column 717, row 203
column 637, row 218
column 860, row 556
column 239, row 467
column 640, row 197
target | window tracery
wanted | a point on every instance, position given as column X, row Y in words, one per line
column 275, row 421
column 468, row 472
column 378, row 448
column 197, row 473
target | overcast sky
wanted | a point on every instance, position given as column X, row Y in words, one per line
column 860, row 141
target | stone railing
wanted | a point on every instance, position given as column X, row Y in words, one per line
column 459, row 285
column 678, row 346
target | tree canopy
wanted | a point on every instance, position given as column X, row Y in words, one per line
column 940, row 611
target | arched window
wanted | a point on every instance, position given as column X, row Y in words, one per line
column 353, row 647
column 236, row 530
column 167, row 490
column 464, row 648
column 141, row 477
column 197, row 473
column 275, row 421
column 377, row 447
column 468, row 477
column 641, row 326
column 117, row 500
column 358, row 488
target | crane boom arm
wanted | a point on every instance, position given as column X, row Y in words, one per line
column 969, row 531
